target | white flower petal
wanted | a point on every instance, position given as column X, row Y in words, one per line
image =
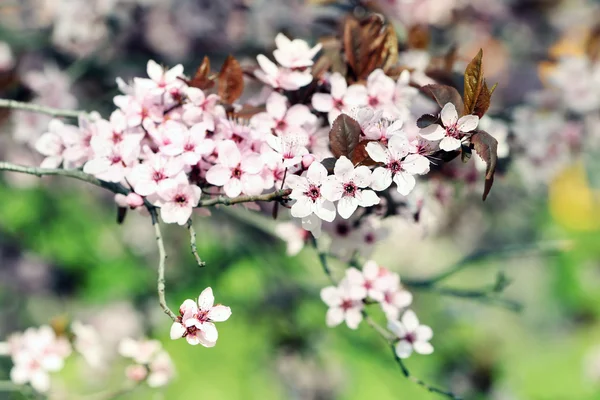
column 219, row 313
column 423, row 347
column 334, row 316
column 403, row 349
column 206, row 299
column 353, row 318
column 449, row 115
column 405, row 183
column 410, row 320
column 449, row 144
column 467, row 123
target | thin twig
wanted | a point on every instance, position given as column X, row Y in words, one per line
column 323, row 259
column 428, row 387
column 161, row 266
column 227, row 201
column 54, row 112
column 193, row 246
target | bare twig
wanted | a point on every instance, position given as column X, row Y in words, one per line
column 161, row 266
column 54, row 112
column 193, row 246
column 227, row 201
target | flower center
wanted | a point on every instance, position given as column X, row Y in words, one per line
column 236, row 172
column 281, row 125
column 373, row 101
column 370, row 238
column 338, row 104
column 395, row 166
column 115, row 159
column 342, row 229
column 117, row 137
column 158, row 176
column 410, row 337
column 180, row 199
column 189, row 147
column 202, row 316
column 453, row 132
column 350, row 189
column 346, row 304
column 313, row 192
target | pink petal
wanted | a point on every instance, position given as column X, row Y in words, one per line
column 219, row 313
column 322, row 102
column 218, row 175
column 177, row 331
column 206, row 299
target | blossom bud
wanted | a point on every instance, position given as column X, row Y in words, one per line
column 307, row 160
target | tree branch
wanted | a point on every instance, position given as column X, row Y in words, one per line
column 161, row 266
column 193, row 246
column 228, row 201
column 54, row 112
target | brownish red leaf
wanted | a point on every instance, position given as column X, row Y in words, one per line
column 344, row 136
column 231, row 81
column 360, row 155
column 443, row 94
column 201, row 79
column 486, row 147
column 473, row 83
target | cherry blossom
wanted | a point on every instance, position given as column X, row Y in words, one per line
column 342, row 98
column 411, row 334
column 196, row 320
column 282, row 78
column 152, row 363
column 395, row 297
column 347, row 187
column 161, row 370
column 201, row 108
column 280, row 118
column 235, row 173
column 345, row 304
column 156, row 174
column 177, row 201
column 306, row 190
column 189, row 144
column 291, row 147
column 294, row 53
column 398, row 165
column 293, row 235
column 53, row 144
column 161, row 80
column 112, row 162
column 89, row 344
column 454, row 129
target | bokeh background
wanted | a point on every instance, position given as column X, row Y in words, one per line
column 63, row 256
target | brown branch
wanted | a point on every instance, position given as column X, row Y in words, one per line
column 54, row 112
column 228, row 201
column 161, row 266
column 193, row 246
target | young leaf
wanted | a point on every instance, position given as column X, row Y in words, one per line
column 443, row 94
column 231, row 80
column 344, row 136
column 487, row 148
column 483, row 101
column 360, row 156
column 201, row 79
column 352, row 42
column 465, row 153
column 425, row 120
column 473, row 83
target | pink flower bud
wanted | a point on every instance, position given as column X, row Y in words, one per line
column 307, row 160
column 136, row 372
column 121, row 200
column 134, row 200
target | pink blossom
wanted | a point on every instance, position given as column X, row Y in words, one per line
column 291, row 147
column 161, row 370
column 283, row 78
column 306, row 190
column 411, row 334
column 177, row 201
column 235, row 173
column 380, row 91
column 201, row 108
column 161, row 80
column 347, row 187
column 7, row 60
column 345, row 304
column 136, row 372
column 112, row 162
column 294, row 236
column 141, row 351
column 279, row 118
column 196, row 320
column 155, row 174
column 189, row 144
column 341, row 99
column 454, row 129
column 395, row 297
column 53, row 144
column 89, row 344
column 294, row 53
column 398, row 165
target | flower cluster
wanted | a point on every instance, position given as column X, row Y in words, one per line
column 196, row 320
column 35, row 353
column 151, row 363
column 348, row 299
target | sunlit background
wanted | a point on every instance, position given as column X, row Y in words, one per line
column 64, row 257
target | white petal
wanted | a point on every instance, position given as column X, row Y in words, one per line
column 322, row 102
column 353, row 318
column 209, row 331
column 325, row 210
column 338, row 85
column 467, row 123
column 206, row 299
column 219, row 313
column 398, row 146
column 331, row 296
column 405, row 183
column 362, row 176
column 377, row 152
column 316, row 173
column 381, row 178
column 233, row 187
column 449, row 115
column 343, row 167
column 449, row 144
column 218, row 175
column 423, row 347
column 403, row 349
column 416, row 164
column 302, row 208
column 368, row 198
column 347, row 205
column 433, row 132
column 334, row 316
column 332, row 189
column 410, row 320
column 397, row 328
column 177, row 331
column 424, row 333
